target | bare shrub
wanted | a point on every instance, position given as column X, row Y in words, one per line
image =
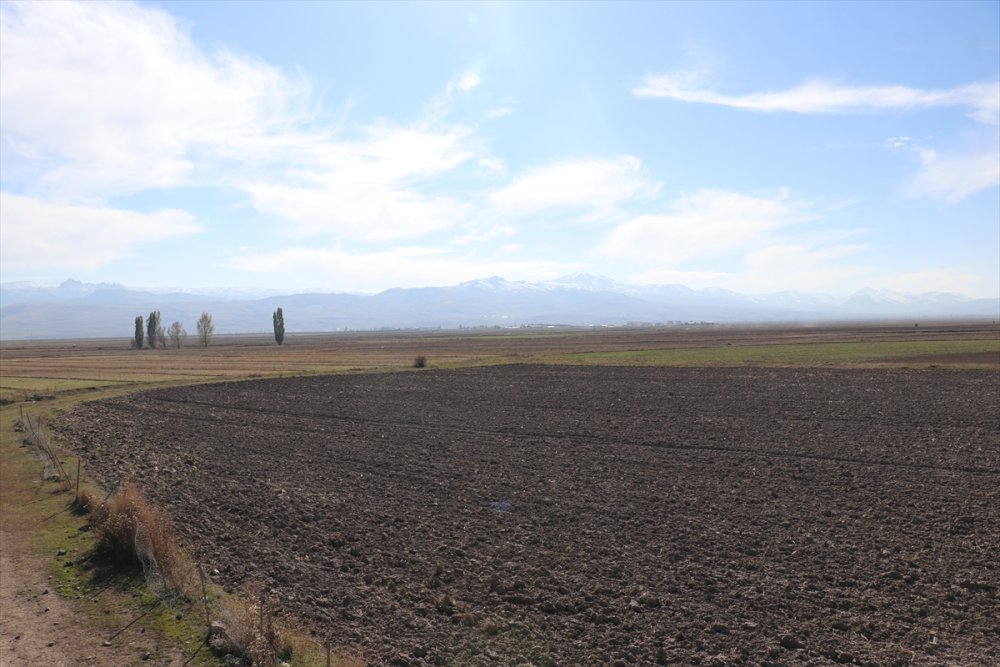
column 420, row 362
column 252, row 631
column 132, row 532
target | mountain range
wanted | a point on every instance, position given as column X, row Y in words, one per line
column 75, row 309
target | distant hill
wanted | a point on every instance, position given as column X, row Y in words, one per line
column 80, row 310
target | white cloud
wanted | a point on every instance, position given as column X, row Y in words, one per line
column 463, row 83
column 813, row 97
column 599, row 185
column 112, row 98
column 500, row 112
column 493, row 166
column 441, row 105
column 398, row 267
column 899, row 143
column 102, row 99
column 40, row 235
column 773, row 268
column 714, row 238
column 367, row 189
column 955, row 177
column 800, row 267
column 692, row 279
column 953, row 280
column 703, row 224
column 484, row 233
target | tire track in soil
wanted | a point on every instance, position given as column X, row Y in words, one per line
column 569, row 437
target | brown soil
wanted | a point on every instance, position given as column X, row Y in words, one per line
column 957, row 359
column 586, row 516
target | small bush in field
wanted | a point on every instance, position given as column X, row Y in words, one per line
column 420, row 362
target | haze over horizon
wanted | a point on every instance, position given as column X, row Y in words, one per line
column 758, row 147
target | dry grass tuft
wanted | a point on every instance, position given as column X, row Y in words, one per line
column 132, row 532
column 253, row 632
column 62, row 486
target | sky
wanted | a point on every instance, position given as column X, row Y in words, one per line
column 759, row 147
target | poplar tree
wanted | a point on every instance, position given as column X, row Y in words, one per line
column 279, row 326
column 153, row 328
column 139, row 333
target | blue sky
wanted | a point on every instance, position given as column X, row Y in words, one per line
column 754, row 146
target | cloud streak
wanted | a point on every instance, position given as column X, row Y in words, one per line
column 38, row 235
column 955, row 177
column 982, row 99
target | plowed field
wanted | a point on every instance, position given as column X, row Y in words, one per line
column 588, row 516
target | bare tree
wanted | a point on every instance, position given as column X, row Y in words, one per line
column 177, row 334
column 205, row 329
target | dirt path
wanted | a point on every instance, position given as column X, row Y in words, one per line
column 38, row 627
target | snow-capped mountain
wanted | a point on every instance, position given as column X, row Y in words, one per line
column 75, row 309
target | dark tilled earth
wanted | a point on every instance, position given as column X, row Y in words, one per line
column 589, row 516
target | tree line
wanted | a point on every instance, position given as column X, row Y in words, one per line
column 150, row 332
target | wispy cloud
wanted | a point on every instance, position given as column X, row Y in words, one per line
column 776, row 267
column 398, row 267
column 692, row 279
column 500, row 112
column 802, row 267
column 953, row 280
column 367, row 189
column 39, row 235
column 955, row 177
column 754, row 237
column 701, row 224
column 105, row 99
column 463, row 83
column 594, row 185
column 982, row 99
column 952, row 175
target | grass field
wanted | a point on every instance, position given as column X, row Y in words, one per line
column 956, row 354
column 96, row 366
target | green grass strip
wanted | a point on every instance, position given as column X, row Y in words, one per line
column 810, row 354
